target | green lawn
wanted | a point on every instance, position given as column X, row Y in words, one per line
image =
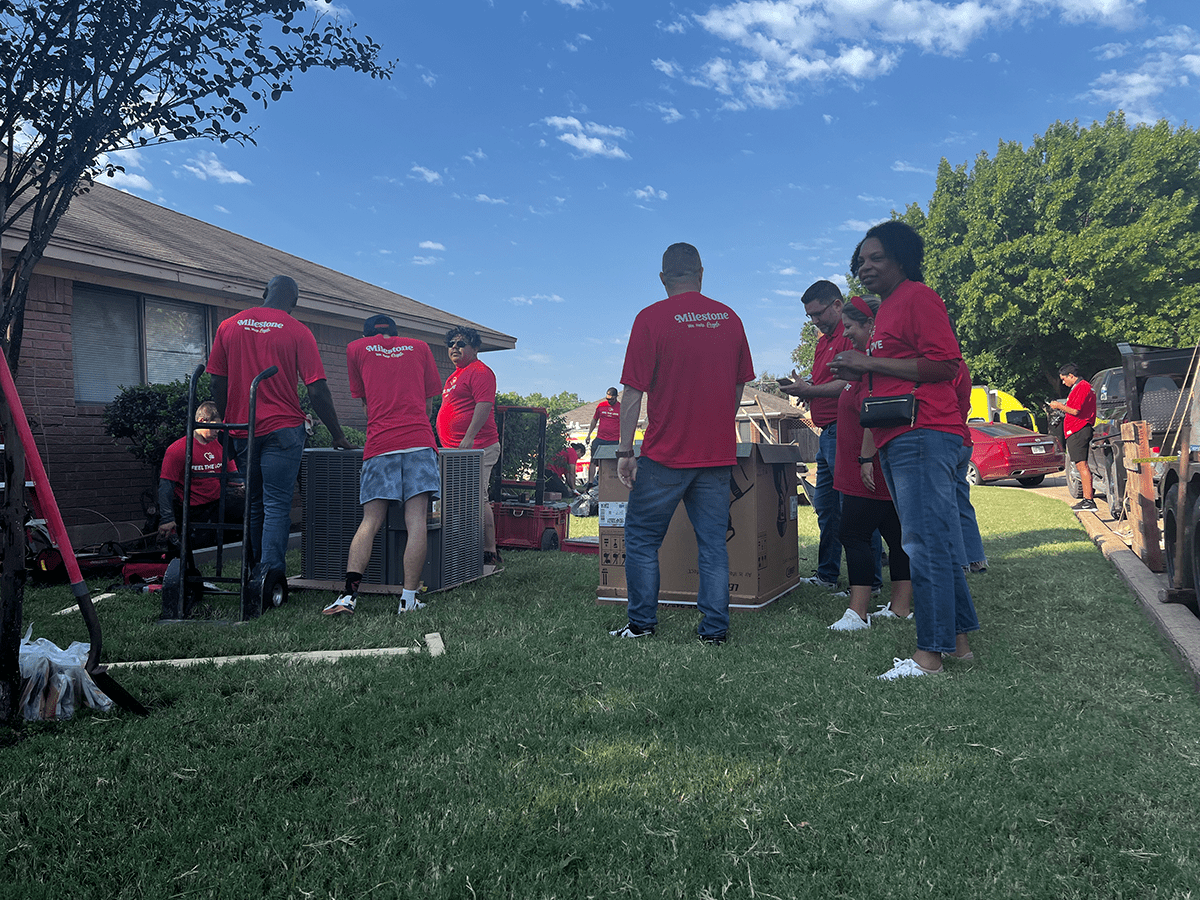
column 541, row 758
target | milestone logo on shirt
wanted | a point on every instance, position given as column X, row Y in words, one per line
column 702, row 320
column 389, row 352
column 209, row 455
column 257, row 326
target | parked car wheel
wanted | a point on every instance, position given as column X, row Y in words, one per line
column 1031, row 482
column 1074, row 485
column 1114, row 490
column 1186, row 577
column 972, row 474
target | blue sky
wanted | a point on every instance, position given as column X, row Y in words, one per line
column 529, row 162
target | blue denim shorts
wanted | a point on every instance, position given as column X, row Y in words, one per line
column 399, row 476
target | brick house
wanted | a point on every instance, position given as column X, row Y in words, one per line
column 131, row 293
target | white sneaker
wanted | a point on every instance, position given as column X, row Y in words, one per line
column 885, row 612
column 343, row 605
column 850, row 621
column 906, row 668
column 412, row 607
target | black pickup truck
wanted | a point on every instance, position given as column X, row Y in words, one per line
column 1147, row 386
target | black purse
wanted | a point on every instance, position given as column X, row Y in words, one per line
column 888, row 412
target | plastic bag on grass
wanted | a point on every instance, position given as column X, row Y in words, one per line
column 54, row 681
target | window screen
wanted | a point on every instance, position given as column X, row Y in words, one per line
column 104, row 338
column 175, row 340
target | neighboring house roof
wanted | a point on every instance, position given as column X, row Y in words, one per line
column 116, row 236
column 775, row 407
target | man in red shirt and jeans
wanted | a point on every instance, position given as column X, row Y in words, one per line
column 689, row 355
column 1079, row 416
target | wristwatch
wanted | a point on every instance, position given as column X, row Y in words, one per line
column 623, row 454
column 863, row 460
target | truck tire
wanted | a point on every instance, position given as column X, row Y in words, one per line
column 1191, row 549
column 1115, row 480
column 1186, row 577
column 1074, row 485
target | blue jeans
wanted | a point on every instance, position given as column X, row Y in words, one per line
column 972, row 540
column 271, row 483
column 921, row 468
column 827, row 504
column 652, row 502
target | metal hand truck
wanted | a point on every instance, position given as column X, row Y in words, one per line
column 183, row 585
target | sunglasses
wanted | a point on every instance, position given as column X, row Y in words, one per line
column 460, row 345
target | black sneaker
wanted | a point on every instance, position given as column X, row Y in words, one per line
column 632, row 631
column 1085, row 504
column 713, row 640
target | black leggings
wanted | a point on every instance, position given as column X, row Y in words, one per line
column 861, row 518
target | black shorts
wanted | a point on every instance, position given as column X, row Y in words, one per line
column 1078, row 443
column 602, row 442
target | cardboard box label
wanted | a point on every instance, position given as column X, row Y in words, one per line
column 612, row 513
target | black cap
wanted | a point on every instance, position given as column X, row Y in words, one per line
column 379, row 325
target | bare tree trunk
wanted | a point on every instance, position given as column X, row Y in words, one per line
column 12, row 570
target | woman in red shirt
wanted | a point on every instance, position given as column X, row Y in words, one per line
column 866, row 504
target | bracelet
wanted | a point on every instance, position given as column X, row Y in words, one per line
column 623, row 454
column 863, row 460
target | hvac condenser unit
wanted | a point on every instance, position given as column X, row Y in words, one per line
column 329, row 488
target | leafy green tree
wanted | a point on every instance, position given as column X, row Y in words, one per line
column 1055, row 252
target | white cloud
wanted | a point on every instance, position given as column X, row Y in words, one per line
column 550, row 298
column 124, row 181
column 476, row 155
column 902, row 166
column 777, row 47
column 1167, row 61
column 992, row 57
column 866, row 198
column 828, row 119
column 574, row 4
column 207, row 166
column 589, row 138
column 1111, row 51
column 431, row 245
column 579, row 39
column 220, row 209
column 670, row 69
column 484, row 198
column 520, row 301
column 790, row 270
column 786, row 293
column 423, row 174
column 326, row 8
column 669, row 114
column 649, row 193
column 857, row 225
column 426, row 260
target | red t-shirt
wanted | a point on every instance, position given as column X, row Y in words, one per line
column 687, row 354
column 205, row 458
column 1082, row 398
column 913, row 323
column 395, row 375
column 473, row 383
column 564, row 461
column 256, row 339
column 608, row 420
column 824, row 410
column 847, row 473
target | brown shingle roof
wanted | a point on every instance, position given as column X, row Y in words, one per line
column 110, row 231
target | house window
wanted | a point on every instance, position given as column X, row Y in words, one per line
column 122, row 339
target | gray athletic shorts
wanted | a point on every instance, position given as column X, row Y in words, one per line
column 399, row 476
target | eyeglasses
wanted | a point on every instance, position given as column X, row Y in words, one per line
column 821, row 311
column 460, row 345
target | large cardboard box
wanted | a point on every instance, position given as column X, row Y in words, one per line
column 764, row 551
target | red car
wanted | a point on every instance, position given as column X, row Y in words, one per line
column 1009, row 451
